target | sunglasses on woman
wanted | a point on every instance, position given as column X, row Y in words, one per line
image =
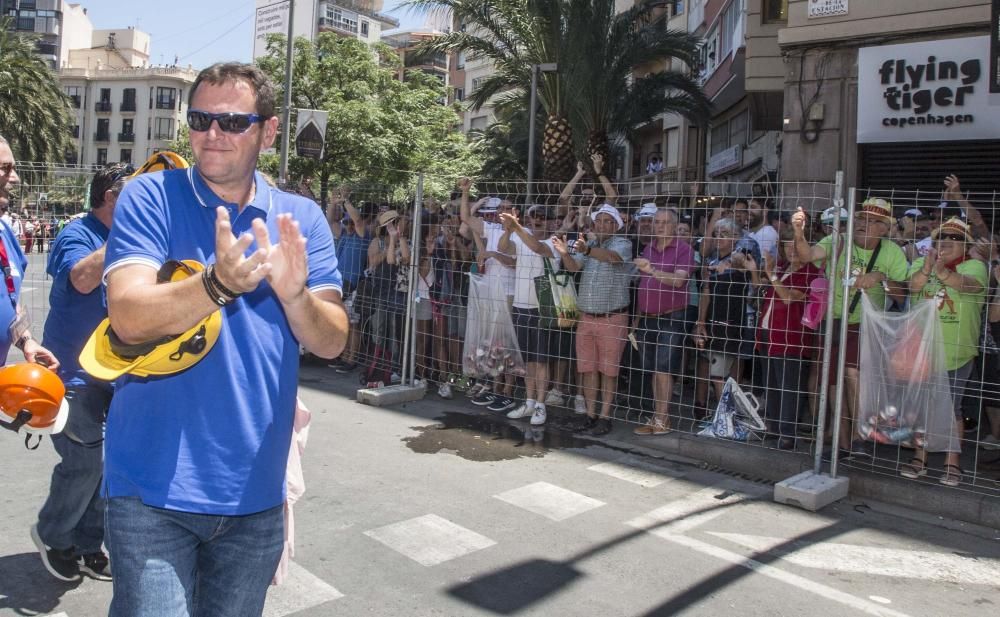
column 952, row 237
column 229, row 122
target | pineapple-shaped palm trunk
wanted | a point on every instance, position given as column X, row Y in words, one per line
column 558, row 162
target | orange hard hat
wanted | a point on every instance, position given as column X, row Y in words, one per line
column 32, row 397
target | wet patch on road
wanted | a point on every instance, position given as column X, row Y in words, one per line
column 486, row 438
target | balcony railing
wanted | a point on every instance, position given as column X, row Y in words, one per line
column 126, row 138
column 166, row 104
column 127, row 106
column 102, row 107
column 351, row 27
column 168, row 136
column 100, row 137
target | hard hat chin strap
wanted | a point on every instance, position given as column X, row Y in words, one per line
column 22, row 418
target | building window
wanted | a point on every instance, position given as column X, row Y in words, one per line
column 676, row 7
column 478, row 124
column 364, row 29
column 738, row 129
column 164, row 128
column 103, row 130
column 73, row 92
column 102, row 156
column 720, row 138
column 459, row 94
column 128, row 99
column 731, row 20
column 105, row 95
column 165, row 98
column 126, row 156
column 477, row 82
column 775, row 11
column 461, row 60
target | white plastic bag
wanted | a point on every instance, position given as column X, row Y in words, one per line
column 736, row 415
column 490, row 341
column 905, row 397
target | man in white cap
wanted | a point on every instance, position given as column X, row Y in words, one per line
column 603, row 300
column 644, row 226
column 877, row 267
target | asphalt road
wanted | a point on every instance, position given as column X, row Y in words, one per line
column 436, row 508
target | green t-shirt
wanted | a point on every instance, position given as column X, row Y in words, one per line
column 891, row 262
column 960, row 314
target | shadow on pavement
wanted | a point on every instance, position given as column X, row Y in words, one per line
column 27, row 588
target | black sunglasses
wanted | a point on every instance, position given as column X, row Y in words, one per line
column 229, row 122
column 952, row 237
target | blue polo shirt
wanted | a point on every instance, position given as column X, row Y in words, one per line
column 352, row 255
column 73, row 316
column 214, row 438
column 18, row 262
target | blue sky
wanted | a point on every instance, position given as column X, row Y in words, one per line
column 198, row 32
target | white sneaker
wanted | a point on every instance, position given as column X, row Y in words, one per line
column 554, row 397
column 522, row 411
column 444, row 391
column 990, row 443
column 580, row 405
column 395, row 378
column 538, row 418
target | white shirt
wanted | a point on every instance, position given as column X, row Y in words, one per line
column 767, row 240
column 529, row 265
column 492, row 232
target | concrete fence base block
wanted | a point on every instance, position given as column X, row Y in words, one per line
column 391, row 395
column 810, row 491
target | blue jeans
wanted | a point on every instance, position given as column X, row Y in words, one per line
column 73, row 514
column 178, row 564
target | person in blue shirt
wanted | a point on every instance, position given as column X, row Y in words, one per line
column 353, row 235
column 195, row 461
column 15, row 323
column 70, row 529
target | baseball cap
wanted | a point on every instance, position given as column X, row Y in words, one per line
column 610, row 210
column 647, row 210
column 490, row 205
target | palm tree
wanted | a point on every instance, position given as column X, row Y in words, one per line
column 608, row 101
column 514, row 35
column 594, row 96
column 32, row 105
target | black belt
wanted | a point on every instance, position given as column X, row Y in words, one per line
column 666, row 314
column 623, row 311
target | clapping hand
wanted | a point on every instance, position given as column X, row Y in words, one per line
column 643, row 265
column 952, row 189
column 799, row 220
column 598, row 162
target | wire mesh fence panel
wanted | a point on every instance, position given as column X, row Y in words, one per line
column 921, row 394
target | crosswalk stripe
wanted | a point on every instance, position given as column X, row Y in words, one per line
column 860, row 604
column 637, row 471
column 683, row 515
column 551, row 501
column 890, row 562
column 430, row 540
column 300, row 590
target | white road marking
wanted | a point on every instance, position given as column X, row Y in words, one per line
column 551, row 501
column 637, row 471
column 819, row 589
column 692, row 511
column 891, row 562
column 301, row 590
column 58, row 615
column 430, row 539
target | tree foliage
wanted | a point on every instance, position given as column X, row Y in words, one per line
column 380, row 130
column 34, row 112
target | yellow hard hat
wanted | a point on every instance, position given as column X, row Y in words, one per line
column 106, row 357
column 161, row 161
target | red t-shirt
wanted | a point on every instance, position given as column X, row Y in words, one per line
column 780, row 331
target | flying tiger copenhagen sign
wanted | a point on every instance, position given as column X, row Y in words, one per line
column 928, row 91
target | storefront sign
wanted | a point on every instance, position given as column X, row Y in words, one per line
column 310, row 133
column 726, row 160
column 827, row 8
column 929, row 91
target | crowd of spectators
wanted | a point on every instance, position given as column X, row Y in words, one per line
column 673, row 302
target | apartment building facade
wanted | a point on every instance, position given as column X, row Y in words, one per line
column 360, row 19
column 895, row 93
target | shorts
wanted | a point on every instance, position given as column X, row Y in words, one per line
column 852, row 346
column 562, row 344
column 958, row 378
column 661, row 341
column 719, row 364
column 600, row 342
column 532, row 341
column 353, row 317
column 423, row 308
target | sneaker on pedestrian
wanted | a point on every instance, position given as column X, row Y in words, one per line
column 989, row 443
column 502, row 403
column 475, row 390
column 395, row 378
column 554, row 397
column 95, row 565
column 653, row 427
column 602, row 427
column 538, row 416
column 61, row 563
column 580, row 405
column 523, row 410
column 444, row 391
column 484, row 399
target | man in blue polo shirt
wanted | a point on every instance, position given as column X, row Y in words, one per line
column 195, row 461
column 70, row 529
